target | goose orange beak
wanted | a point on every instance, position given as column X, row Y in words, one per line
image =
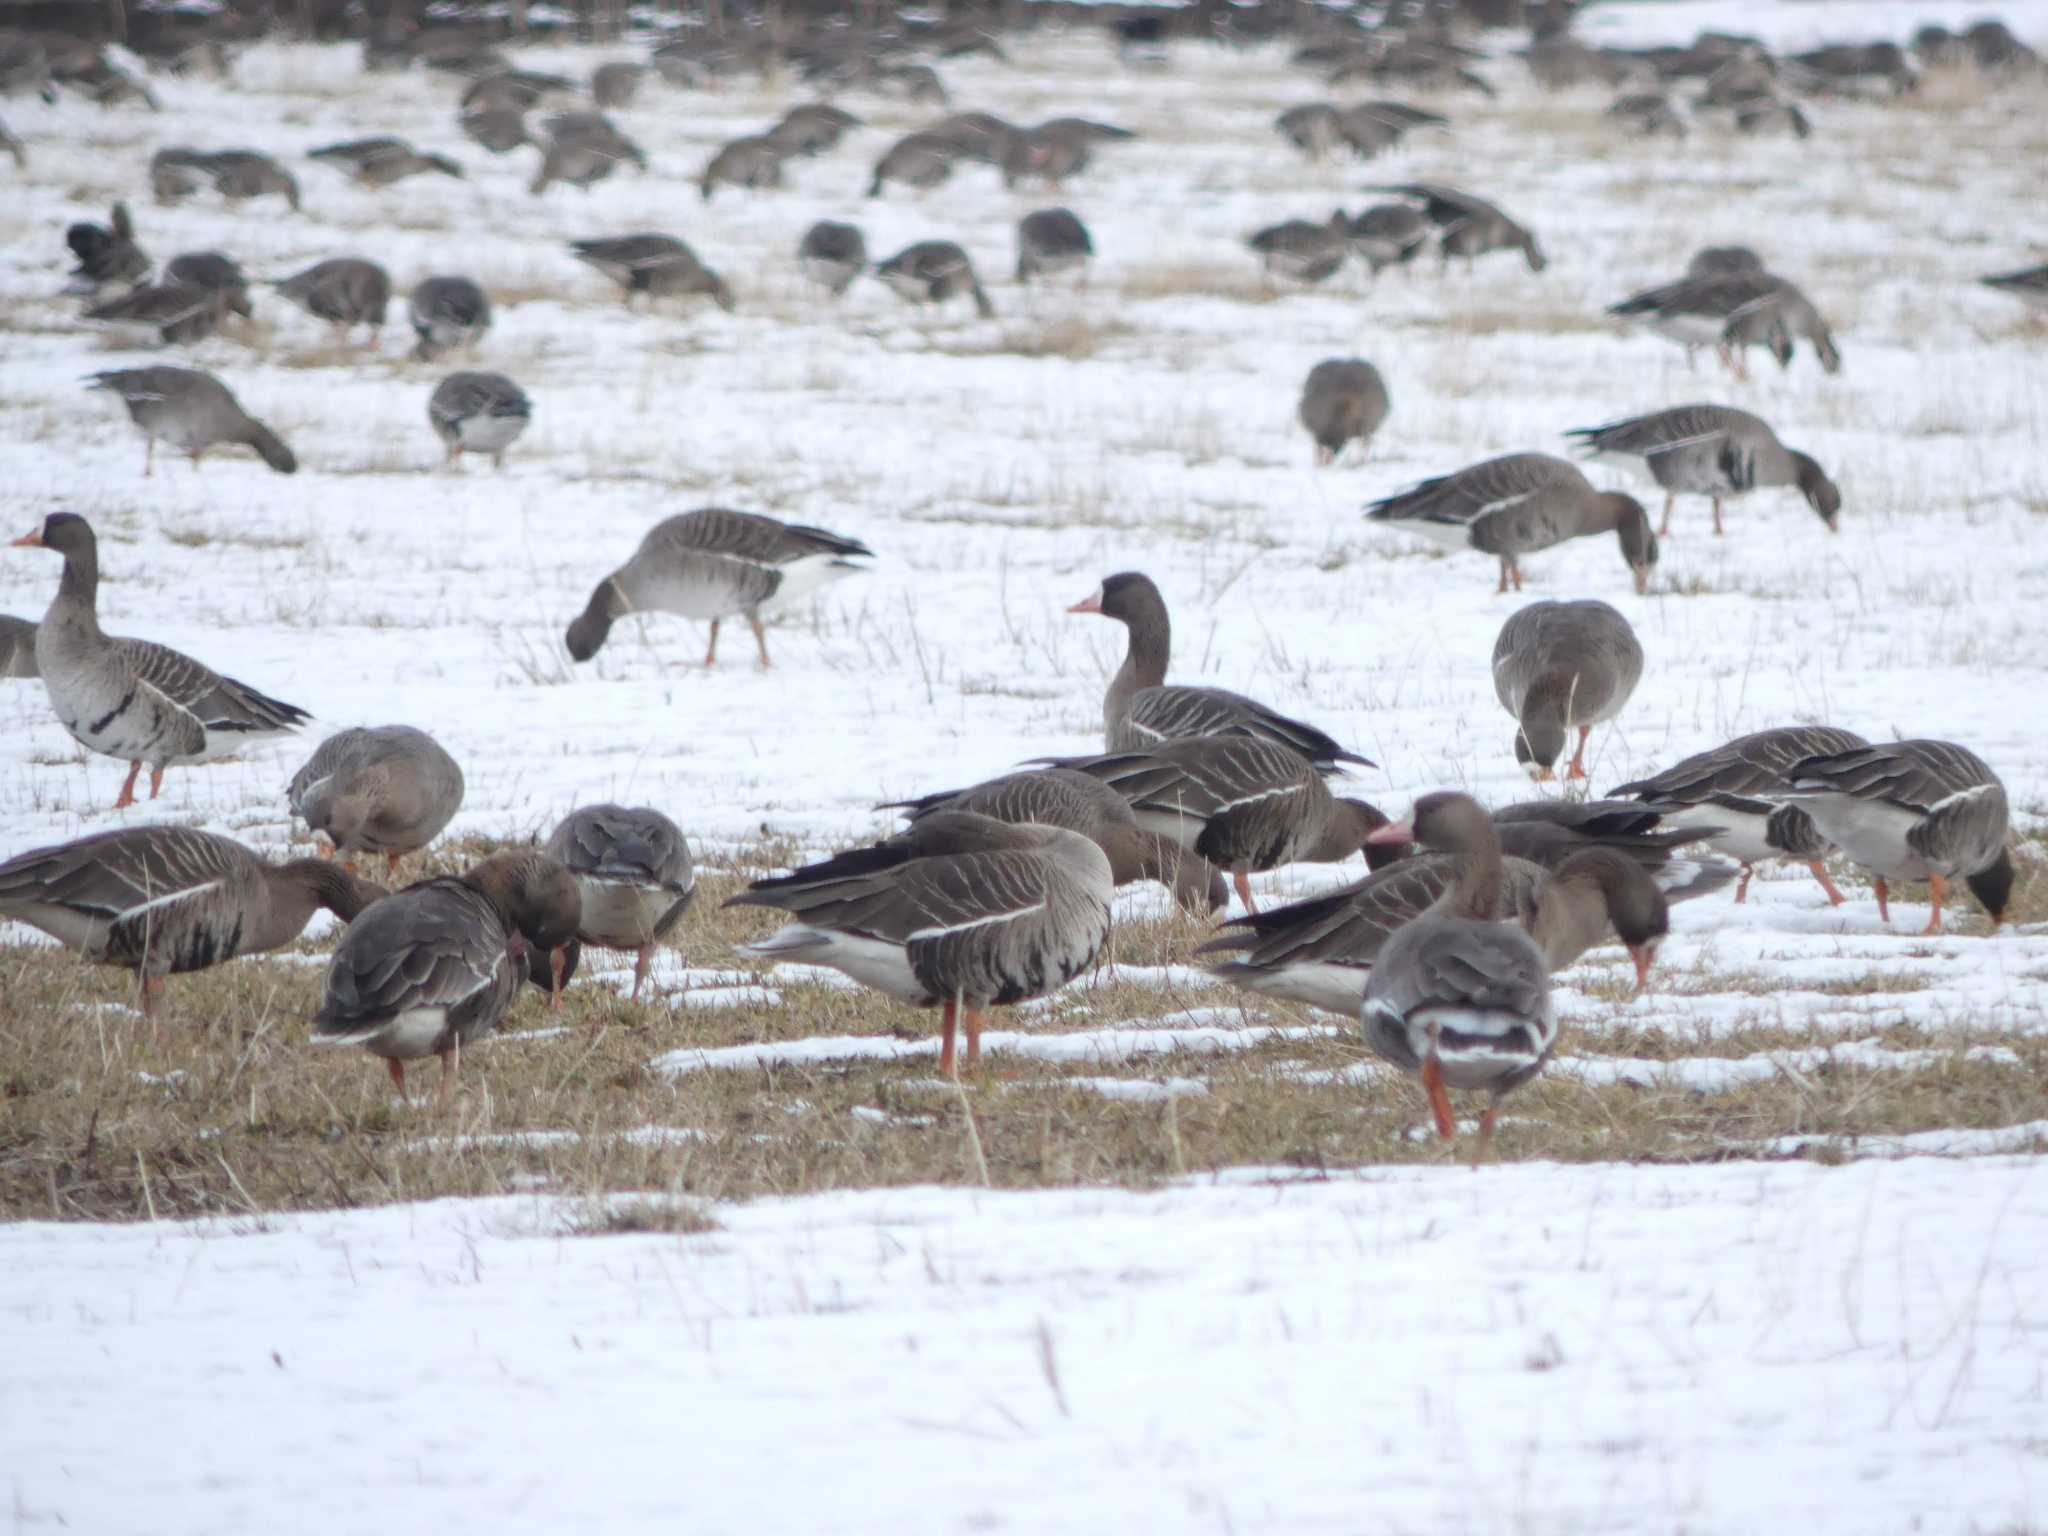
column 1644, row 957
column 32, row 538
column 1092, row 603
column 1392, row 832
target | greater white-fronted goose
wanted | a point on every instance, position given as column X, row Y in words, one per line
column 1719, row 260
column 446, row 313
column 379, row 162
column 752, row 162
column 1302, row 251
column 522, row 89
column 713, row 563
column 2029, row 286
column 1013, row 913
column 345, row 291
column 1141, row 709
column 1739, row 790
column 163, row 314
column 659, row 266
column 215, row 272
column 1047, row 155
column 1315, row 128
column 107, row 254
column 1051, row 241
column 1560, row 666
column 134, row 700
column 1715, row 451
column 634, row 869
column 1372, row 127
column 1388, row 235
column 977, row 136
column 389, row 789
column 17, row 647
column 164, row 900
column 1731, row 312
column 1766, row 112
column 1343, row 401
column 433, row 967
column 1649, row 113
column 583, row 148
column 1913, row 810
column 498, row 129
column 1517, row 505
column 237, row 174
column 478, row 413
column 919, row 160
column 191, row 411
column 931, row 272
column 1469, row 226
column 1674, row 855
column 813, row 128
column 832, row 255
column 617, row 83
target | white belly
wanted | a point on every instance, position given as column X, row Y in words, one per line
column 489, row 434
column 618, row 915
column 413, row 1034
column 1870, row 832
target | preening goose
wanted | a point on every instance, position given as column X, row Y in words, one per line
column 1015, row 913
column 1141, row 709
column 2030, row 286
column 435, row 966
column 345, row 292
column 832, row 255
column 1715, row 451
column 1557, row 666
column 164, row 900
column 132, row 699
column 710, row 564
column 1302, row 251
column 1051, row 241
column 389, row 789
column 478, row 413
column 447, row 312
column 659, row 266
column 107, row 253
column 17, row 647
column 191, row 411
column 1519, row 504
column 1343, row 400
column 1469, row 226
column 633, row 866
column 1913, row 810
column 931, row 272
column 379, row 162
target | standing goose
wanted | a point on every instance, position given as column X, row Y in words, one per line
column 919, row 160
column 1301, row 250
column 712, row 563
column 1913, row 810
column 931, row 272
column 214, row 272
column 582, row 149
column 388, row 789
column 1015, row 913
column 192, row 411
column 17, row 647
column 447, row 312
column 161, row 314
column 832, row 255
column 1343, row 400
column 1714, row 260
column 811, row 129
column 164, row 900
column 1731, row 312
column 498, row 129
column 1557, row 666
column 2029, row 286
column 1469, row 226
column 345, row 292
column 241, row 174
column 752, row 162
column 107, row 253
column 634, row 869
column 478, row 413
column 435, row 966
column 1141, row 710
column 1517, row 505
column 1713, row 451
column 1051, row 241
column 659, row 266
column 617, row 83
column 1739, row 790
column 1388, row 235
column 380, row 162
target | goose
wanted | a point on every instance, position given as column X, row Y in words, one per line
column 582, row 149
column 1714, row 451
column 191, row 411
column 1857, row 69
column 434, row 967
column 389, row 789
column 752, row 162
column 17, row 647
column 1649, row 113
column 617, row 83
column 1387, row 235
column 1672, row 852
column 1085, row 130
column 659, row 266
column 107, row 253
column 978, row 136
column 241, row 174
column 1562, row 665
column 134, row 699
column 813, row 128
column 498, row 129
column 1719, row 260
column 214, row 272
column 163, row 313
column 710, row 564
column 163, row 900
column 1051, row 241
column 1739, row 790
column 478, row 413
column 1080, row 802
column 1315, row 128
column 832, row 255
column 2029, row 286
column 931, row 272
column 446, row 313
column 1469, row 226
column 1766, row 113
column 345, row 291
column 176, row 174
column 633, row 866
column 1372, row 127
column 1517, row 505
column 1733, row 311
column 1343, row 400
column 1913, row 810
column 1047, row 155
column 379, row 162
column 1141, row 710
column 1008, row 914
column 1302, row 251
column 518, row 89
column 919, row 160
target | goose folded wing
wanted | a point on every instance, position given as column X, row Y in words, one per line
column 1345, row 927
column 218, row 703
column 437, row 950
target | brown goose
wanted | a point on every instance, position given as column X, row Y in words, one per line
column 132, row 699
column 1731, row 312
column 1671, row 853
column 1343, row 400
column 1302, row 251
column 633, row 866
column 1517, row 505
column 1469, row 226
column 582, row 149
column 107, row 253
column 17, row 647
column 237, row 174
column 1051, row 241
column 752, row 162
column 1046, row 154
column 160, row 314
column 1141, row 710
column 192, row 411
column 1714, row 451
column 164, row 900
column 659, row 266
column 435, row 966
column 345, row 292
column 498, row 129
column 1716, row 260
column 832, row 255
column 380, row 162
column 446, row 313
column 1010, row 913
column 388, row 789
column 1557, row 666
column 478, row 413
column 931, row 272
column 710, row 564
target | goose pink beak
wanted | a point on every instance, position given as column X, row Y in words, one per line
column 1392, row 832
column 1644, row 957
column 33, row 537
column 1092, row 603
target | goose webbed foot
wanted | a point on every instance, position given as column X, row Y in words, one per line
column 127, row 795
column 1937, row 892
column 1820, row 873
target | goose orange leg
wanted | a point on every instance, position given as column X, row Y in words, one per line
column 397, row 1070
column 1664, row 528
column 760, row 639
column 1937, row 892
column 127, row 796
column 152, row 990
column 1884, row 911
column 641, row 961
column 156, row 782
column 390, row 866
column 711, row 652
column 558, row 961
column 1742, row 885
column 975, row 1020
column 948, row 1021
column 1486, row 1121
column 451, row 1068
column 1501, row 590
column 1577, row 767
column 1439, row 1096
column 1835, row 897
column 1717, row 517
column 1243, row 883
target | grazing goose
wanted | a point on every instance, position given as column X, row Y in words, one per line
column 931, row 272
column 1739, row 791
column 379, row 162
column 1013, row 913
column 711, row 563
column 1343, row 400
column 1372, row 127
column 176, row 174
column 1731, row 312
column 1469, row 226
column 1051, row 241
column 1649, row 113
column 1714, row 451
column 516, row 88
column 659, row 266
column 192, row 411
column 617, row 83
column 1315, row 128
column 1719, row 260
column 1140, row 710
column 164, row 900
column 214, row 272
column 2030, row 286
column 498, row 129
column 812, row 129
column 832, row 255
column 1548, row 832
column 919, row 160
column 435, row 966
column 162, row 313
column 388, row 789
column 752, row 162
column 478, row 413
column 237, row 175
column 1085, row 130
column 1913, row 810
column 1562, row 665
column 1047, row 155
column 345, row 292
column 17, row 647
column 1388, row 235
column 107, row 253
column 446, row 313
column 1516, row 505
column 634, row 869
column 133, row 699
column 978, row 136
column 1302, row 251
column 1768, row 113
column 583, row 148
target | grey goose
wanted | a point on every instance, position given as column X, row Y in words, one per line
column 1006, row 914
column 478, row 413
column 1719, row 260
column 1372, row 127
column 215, row 272
column 434, row 967
column 1766, row 112
column 1739, row 791
column 832, row 255
column 446, row 313
column 2029, row 285
column 345, row 291
column 1673, row 851
column 1517, row 505
column 919, row 160
column 134, row 700
column 1913, row 810
column 379, row 162
column 161, row 314
column 1388, row 235
column 1715, row 451
column 107, row 254
column 1303, row 251
column 812, row 128
column 237, row 174
column 711, row 564
column 617, row 83
column 977, row 136
column 389, row 789
column 1469, row 226
column 1051, row 241
column 520, row 89
column 192, row 412
column 163, row 901
column 931, row 272
column 1731, row 312
column 659, row 266
column 1343, row 401
column 1140, row 709
column 633, row 867
column 582, row 149
column 1315, row 128
column 1047, row 155
column 752, row 162
column 1559, row 667
column 1649, row 113
column 17, row 647
column 498, row 129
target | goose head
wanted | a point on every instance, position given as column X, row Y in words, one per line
column 1821, row 493
column 539, row 900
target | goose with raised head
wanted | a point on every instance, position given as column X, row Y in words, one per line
column 1051, row 241
column 1006, row 914
column 17, row 647
column 1343, row 401
column 1715, row 451
column 713, row 563
column 478, row 413
column 191, row 411
column 931, row 272
column 1559, row 667
column 634, row 869
column 165, row 900
column 446, row 313
column 1141, row 709
column 832, row 255
column 345, row 291
column 659, row 266
column 107, row 254
column 389, row 789
column 1469, row 226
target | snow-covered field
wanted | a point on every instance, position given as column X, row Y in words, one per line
column 1594, row 1347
